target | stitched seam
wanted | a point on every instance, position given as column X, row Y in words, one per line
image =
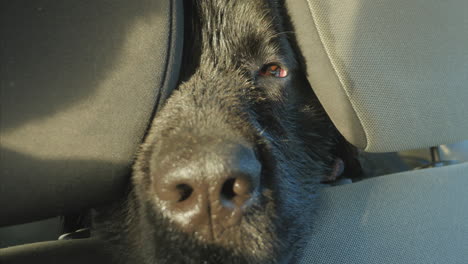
column 163, row 82
column 168, row 57
column 161, row 85
column 340, row 78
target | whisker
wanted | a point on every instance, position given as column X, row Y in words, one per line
column 283, row 33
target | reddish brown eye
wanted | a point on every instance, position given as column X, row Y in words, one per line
column 273, row 70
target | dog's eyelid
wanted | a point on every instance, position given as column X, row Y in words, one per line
column 273, row 69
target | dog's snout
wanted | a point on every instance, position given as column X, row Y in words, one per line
column 230, row 189
column 212, row 189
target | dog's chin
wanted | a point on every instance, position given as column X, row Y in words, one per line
column 211, row 254
column 191, row 250
column 252, row 241
column 214, row 254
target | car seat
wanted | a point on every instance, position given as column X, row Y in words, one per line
column 81, row 82
column 392, row 76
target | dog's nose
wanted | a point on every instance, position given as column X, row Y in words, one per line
column 212, row 191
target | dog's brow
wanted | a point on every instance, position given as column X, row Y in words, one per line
column 231, row 34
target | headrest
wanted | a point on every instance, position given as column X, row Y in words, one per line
column 80, row 84
column 392, row 75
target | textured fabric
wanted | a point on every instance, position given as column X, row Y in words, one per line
column 412, row 217
column 79, row 251
column 392, row 75
column 79, row 85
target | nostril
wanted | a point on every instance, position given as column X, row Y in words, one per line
column 185, row 191
column 227, row 191
column 235, row 187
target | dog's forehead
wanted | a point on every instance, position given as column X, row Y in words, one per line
column 238, row 32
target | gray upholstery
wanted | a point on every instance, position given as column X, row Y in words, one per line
column 79, row 85
column 44, row 230
column 415, row 217
column 79, row 251
column 412, row 217
column 392, row 75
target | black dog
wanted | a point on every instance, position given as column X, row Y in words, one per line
column 231, row 165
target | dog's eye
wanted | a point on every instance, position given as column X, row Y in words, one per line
column 273, row 70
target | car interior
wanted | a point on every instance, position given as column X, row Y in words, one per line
column 82, row 80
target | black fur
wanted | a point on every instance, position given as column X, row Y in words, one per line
column 222, row 96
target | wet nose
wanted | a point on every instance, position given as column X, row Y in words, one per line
column 212, row 191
